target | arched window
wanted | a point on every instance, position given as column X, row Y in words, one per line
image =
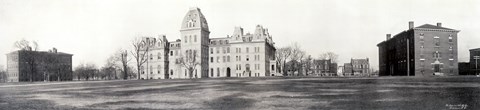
column 195, row 38
column 159, row 55
column 211, row 72
column 218, row 71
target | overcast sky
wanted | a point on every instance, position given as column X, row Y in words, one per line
column 92, row 30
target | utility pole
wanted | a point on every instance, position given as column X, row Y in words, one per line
column 476, row 63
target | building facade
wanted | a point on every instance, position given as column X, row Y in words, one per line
column 27, row 65
column 475, row 61
column 237, row 55
column 423, row 51
column 357, row 67
column 360, row 67
column 324, row 68
column 347, row 69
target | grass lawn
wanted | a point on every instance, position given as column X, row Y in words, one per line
column 247, row 93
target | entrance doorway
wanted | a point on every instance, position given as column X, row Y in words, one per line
column 228, row 72
column 436, row 68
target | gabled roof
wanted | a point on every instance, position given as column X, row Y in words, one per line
column 429, row 26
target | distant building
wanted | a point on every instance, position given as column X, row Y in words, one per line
column 426, row 50
column 324, row 68
column 475, row 61
column 357, row 67
column 237, row 55
column 340, row 71
column 360, row 67
column 347, row 69
column 472, row 67
column 26, row 65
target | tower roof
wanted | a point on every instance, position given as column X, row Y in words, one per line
column 194, row 19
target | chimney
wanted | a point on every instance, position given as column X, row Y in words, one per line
column 439, row 24
column 410, row 25
column 389, row 36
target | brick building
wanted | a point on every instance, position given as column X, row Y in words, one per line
column 426, row 50
column 25, row 65
column 237, row 55
column 347, row 69
column 357, row 67
column 324, row 68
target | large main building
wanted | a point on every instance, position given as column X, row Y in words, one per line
column 27, row 65
column 425, row 50
column 237, row 55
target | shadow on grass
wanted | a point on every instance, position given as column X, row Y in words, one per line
column 230, row 102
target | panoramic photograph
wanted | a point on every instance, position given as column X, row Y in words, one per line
column 239, row 54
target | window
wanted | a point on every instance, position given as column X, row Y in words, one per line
column 247, row 50
column 218, row 50
column 151, row 57
column 450, row 39
column 151, row 70
column 228, row 58
column 194, row 38
column 211, row 59
column 223, row 58
column 185, row 39
column 436, row 55
column 223, row 50
column 190, row 38
column 171, row 53
column 218, row 59
column 211, row 72
column 211, row 50
column 228, row 49
column 159, row 55
column 421, row 38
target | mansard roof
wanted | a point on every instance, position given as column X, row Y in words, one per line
column 194, row 19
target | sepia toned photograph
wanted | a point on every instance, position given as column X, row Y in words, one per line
column 239, row 54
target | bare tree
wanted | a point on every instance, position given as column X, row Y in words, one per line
column 124, row 59
column 283, row 54
column 308, row 62
column 30, row 56
column 190, row 61
column 329, row 56
column 297, row 55
column 86, row 71
column 140, row 52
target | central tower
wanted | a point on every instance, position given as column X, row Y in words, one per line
column 195, row 39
